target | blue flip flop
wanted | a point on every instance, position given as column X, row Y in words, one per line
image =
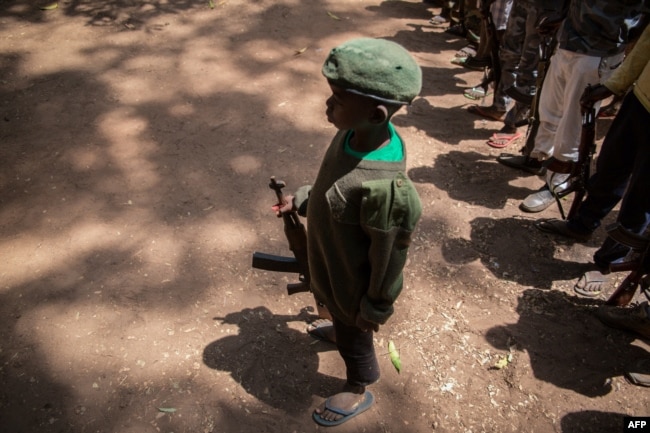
column 320, row 331
column 368, row 401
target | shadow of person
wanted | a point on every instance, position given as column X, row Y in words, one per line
column 403, row 10
column 472, row 178
column 592, row 421
column 272, row 362
column 459, row 125
column 512, row 250
column 565, row 342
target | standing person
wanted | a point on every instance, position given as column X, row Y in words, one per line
column 494, row 19
column 591, row 44
column 520, row 54
column 361, row 210
column 622, row 172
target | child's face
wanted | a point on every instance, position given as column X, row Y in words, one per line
column 347, row 110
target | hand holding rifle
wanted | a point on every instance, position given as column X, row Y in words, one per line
column 593, row 94
column 296, row 235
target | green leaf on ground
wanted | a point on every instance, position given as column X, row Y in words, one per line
column 394, row 356
column 50, row 6
column 167, row 409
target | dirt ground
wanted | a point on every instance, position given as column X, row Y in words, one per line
column 136, row 143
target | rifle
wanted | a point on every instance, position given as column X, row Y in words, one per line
column 296, row 235
column 639, row 265
column 580, row 170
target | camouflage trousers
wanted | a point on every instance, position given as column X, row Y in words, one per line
column 519, row 56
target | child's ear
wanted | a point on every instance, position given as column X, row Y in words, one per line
column 379, row 114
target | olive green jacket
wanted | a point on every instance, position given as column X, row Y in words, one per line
column 360, row 218
column 635, row 69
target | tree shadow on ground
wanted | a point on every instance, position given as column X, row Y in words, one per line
column 565, row 342
column 99, row 13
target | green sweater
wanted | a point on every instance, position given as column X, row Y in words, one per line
column 360, row 217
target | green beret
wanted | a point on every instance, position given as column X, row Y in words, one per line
column 376, row 68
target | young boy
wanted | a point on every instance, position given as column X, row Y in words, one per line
column 361, row 210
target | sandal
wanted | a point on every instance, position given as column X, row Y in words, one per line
column 591, row 284
column 488, row 112
column 438, row 21
column 323, row 330
column 561, row 227
column 475, row 93
column 499, row 141
column 459, row 60
column 466, row 51
column 640, row 374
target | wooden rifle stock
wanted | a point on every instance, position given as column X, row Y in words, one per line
column 296, row 236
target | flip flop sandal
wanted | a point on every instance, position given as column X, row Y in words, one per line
column 641, row 375
column 367, row 402
column 466, row 52
column 458, row 60
column 320, row 330
column 591, row 284
column 438, row 21
column 500, row 141
column 475, row 93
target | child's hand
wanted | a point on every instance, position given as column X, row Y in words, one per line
column 280, row 209
column 364, row 325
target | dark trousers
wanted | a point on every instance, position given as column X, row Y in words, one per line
column 622, row 173
column 358, row 352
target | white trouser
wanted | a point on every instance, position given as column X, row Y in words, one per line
column 559, row 105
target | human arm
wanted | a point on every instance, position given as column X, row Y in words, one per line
column 389, row 213
column 296, row 202
column 624, row 76
column 630, row 70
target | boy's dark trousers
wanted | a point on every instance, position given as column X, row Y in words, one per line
column 358, row 352
column 622, row 172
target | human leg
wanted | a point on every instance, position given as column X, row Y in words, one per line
column 511, row 47
column 561, row 120
column 623, row 164
column 623, row 170
column 529, row 59
column 356, row 347
column 635, row 207
column 551, row 101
